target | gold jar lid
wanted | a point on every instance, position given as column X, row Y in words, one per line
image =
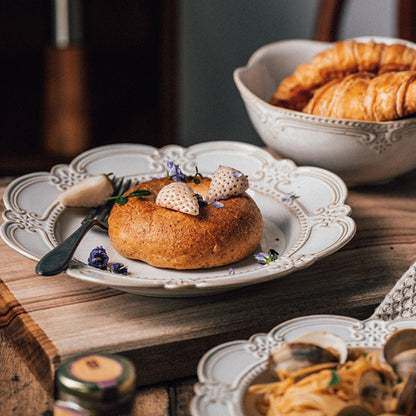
column 97, row 377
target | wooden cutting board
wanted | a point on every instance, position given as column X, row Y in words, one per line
column 48, row 319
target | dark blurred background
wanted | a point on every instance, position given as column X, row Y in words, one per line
column 144, row 71
column 118, row 71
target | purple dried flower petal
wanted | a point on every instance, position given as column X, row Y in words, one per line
column 175, row 173
column 289, row 198
column 236, row 174
column 260, row 257
column 217, row 204
column 265, row 258
column 171, row 167
column 119, row 268
column 230, row 270
column 98, row 258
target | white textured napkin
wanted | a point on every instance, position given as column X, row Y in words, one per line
column 400, row 302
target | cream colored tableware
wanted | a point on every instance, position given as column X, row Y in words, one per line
column 304, row 212
column 360, row 152
column 226, row 371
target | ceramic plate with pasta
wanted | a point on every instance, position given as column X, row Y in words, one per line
column 322, row 365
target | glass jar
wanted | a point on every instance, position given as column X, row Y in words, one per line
column 95, row 385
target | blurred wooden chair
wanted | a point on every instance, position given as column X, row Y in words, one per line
column 66, row 110
column 73, row 107
column 330, row 14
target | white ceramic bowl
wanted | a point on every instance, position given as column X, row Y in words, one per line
column 360, row 152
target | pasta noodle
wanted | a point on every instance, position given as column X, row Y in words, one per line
column 324, row 392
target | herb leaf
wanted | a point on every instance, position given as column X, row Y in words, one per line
column 195, row 177
column 122, row 199
column 335, row 379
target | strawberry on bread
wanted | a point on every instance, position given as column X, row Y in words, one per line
column 178, row 196
column 226, row 182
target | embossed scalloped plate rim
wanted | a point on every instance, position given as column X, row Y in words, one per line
column 226, row 371
column 303, row 229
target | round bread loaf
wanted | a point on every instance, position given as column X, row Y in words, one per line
column 161, row 237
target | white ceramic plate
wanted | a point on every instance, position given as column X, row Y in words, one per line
column 302, row 229
column 226, row 371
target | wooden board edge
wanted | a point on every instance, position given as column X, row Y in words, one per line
column 28, row 339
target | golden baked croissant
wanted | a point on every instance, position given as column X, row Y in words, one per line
column 365, row 96
column 346, row 57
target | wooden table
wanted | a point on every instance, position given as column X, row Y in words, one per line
column 41, row 316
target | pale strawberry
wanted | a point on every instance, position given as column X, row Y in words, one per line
column 225, row 183
column 178, row 196
column 90, row 192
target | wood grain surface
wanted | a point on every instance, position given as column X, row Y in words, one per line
column 44, row 320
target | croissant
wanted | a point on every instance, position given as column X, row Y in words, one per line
column 346, row 57
column 365, row 96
